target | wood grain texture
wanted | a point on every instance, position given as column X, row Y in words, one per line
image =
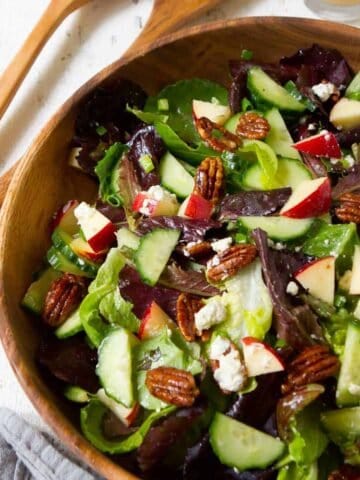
column 44, row 181
column 15, row 73
column 166, row 16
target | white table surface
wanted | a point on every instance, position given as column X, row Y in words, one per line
column 87, row 41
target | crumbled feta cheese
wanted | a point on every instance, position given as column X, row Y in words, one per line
column 324, row 90
column 157, row 192
column 82, row 212
column 297, row 249
column 345, row 281
column 221, row 245
column 211, row 314
column 312, row 126
column 354, row 389
column 154, row 196
column 334, row 161
column 279, row 246
column 90, row 220
column 270, row 242
column 146, row 207
column 231, row 373
column 213, row 262
column 292, row 288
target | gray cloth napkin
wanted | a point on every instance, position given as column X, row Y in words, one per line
column 27, row 454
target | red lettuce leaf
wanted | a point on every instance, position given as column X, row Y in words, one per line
column 146, row 141
column 252, row 203
column 348, row 183
column 70, row 360
column 191, row 230
column 141, row 295
column 346, row 472
column 115, row 214
column 297, row 325
column 315, row 165
column 129, row 184
column 164, row 435
column 311, row 65
column 346, row 138
column 187, row 281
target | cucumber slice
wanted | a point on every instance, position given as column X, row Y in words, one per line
column 239, row 446
column 59, row 262
column 114, row 366
column 76, row 394
column 278, row 228
column 127, row 239
column 348, row 388
column 34, row 297
column 154, row 252
column 231, row 124
column 174, row 177
column 62, row 241
column 70, row 327
column 279, row 138
column 265, row 91
column 342, row 423
column 290, row 173
column 353, row 90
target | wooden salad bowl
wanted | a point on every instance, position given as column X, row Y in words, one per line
column 44, row 181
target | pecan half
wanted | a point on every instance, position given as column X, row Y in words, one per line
column 346, row 472
column 313, row 365
column 198, row 249
column 209, row 179
column 63, row 297
column 349, row 209
column 216, row 136
column 172, row 385
column 252, row 125
column 227, row 263
column 186, row 307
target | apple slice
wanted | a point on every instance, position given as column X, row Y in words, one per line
column 345, row 114
column 311, row 198
column 126, row 415
column 355, row 275
column 152, row 207
column 260, row 358
column 216, row 113
column 83, row 249
column 318, row 277
column 154, row 321
column 65, row 219
column 324, row 144
column 98, row 230
column 197, row 207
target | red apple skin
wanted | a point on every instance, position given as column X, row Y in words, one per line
column 66, row 211
column 251, row 340
column 315, row 205
column 103, row 239
column 83, row 249
column 198, row 207
column 139, row 201
column 322, row 145
column 130, row 419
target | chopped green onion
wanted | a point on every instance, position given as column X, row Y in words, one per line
column 246, row 105
column 215, row 101
column 247, row 54
column 146, row 163
column 340, row 301
column 101, row 130
column 163, row 104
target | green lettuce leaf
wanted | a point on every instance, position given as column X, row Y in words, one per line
column 148, row 117
column 91, row 418
column 248, row 303
column 296, row 472
column 107, row 172
column 266, row 158
column 180, row 96
column 104, row 301
column 338, row 240
column 161, row 350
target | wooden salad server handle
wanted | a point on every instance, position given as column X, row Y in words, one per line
column 166, row 16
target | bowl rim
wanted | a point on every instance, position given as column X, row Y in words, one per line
column 65, row 432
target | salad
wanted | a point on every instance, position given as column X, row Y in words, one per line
column 204, row 310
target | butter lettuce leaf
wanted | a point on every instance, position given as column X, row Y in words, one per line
column 91, row 418
column 105, row 302
column 107, row 171
column 296, row 472
column 165, row 349
column 180, row 96
column 248, row 304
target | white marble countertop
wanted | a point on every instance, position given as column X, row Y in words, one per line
column 87, row 41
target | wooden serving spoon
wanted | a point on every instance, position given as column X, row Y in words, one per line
column 166, row 16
